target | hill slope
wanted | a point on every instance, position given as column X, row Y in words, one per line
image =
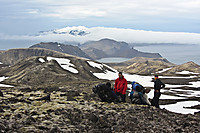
column 110, row 48
column 68, row 49
column 12, row 56
column 142, row 65
column 189, row 66
column 47, row 70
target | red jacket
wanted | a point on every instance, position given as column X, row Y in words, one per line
column 121, row 85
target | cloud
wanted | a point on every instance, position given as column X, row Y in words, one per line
column 119, row 34
column 63, row 9
column 32, row 11
column 156, row 15
column 72, row 12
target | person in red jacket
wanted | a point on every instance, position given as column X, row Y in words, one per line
column 121, row 87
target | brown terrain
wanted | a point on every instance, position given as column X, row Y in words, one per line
column 47, row 98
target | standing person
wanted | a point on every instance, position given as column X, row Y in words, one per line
column 157, row 86
column 121, row 87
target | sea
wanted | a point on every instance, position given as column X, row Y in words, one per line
column 175, row 53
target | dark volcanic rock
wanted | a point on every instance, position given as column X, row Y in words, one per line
column 86, row 114
column 46, row 98
column 1, row 93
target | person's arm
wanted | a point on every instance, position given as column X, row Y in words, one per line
column 162, row 85
column 141, row 97
column 125, row 87
column 146, row 99
column 115, row 87
column 131, row 95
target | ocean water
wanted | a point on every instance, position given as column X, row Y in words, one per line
column 113, row 60
column 175, row 53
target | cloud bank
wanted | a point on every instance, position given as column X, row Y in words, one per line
column 119, row 34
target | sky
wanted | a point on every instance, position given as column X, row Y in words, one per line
column 20, row 17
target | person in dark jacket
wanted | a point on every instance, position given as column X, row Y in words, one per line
column 121, row 87
column 105, row 93
column 157, row 86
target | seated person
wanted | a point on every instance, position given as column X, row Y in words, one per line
column 145, row 97
column 138, row 94
column 105, row 93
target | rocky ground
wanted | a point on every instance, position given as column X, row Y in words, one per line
column 74, row 108
column 48, row 98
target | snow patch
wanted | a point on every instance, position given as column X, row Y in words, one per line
column 169, row 77
column 164, row 70
column 3, row 85
column 195, row 84
column 64, row 63
column 60, row 47
column 110, row 68
column 97, row 65
column 41, row 60
column 179, row 107
column 3, row 78
column 143, row 80
column 1, row 63
column 187, row 93
column 163, row 96
column 186, row 72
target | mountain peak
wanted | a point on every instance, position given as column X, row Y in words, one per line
column 111, row 48
column 190, row 63
column 75, row 31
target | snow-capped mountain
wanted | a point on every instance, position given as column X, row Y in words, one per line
column 75, row 31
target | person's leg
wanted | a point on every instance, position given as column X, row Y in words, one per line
column 153, row 100
column 123, row 97
column 114, row 96
column 157, row 99
column 119, row 96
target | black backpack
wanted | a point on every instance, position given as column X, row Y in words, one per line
column 105, row 93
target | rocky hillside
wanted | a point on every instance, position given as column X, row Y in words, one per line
column 47, row 70
column 189, row 66
column 110, row 48
column 74, row 108
column 12, row 56
column 142, row 65
column 68, row 49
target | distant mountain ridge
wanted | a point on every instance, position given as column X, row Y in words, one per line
column 188, row 66
column 110, row 48
column 142, row 65
column 12, row 56
column 68, row 49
